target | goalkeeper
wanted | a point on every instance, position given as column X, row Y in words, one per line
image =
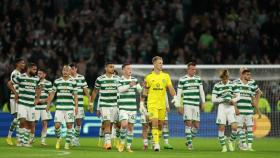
column 190, row 88
column 155, row 89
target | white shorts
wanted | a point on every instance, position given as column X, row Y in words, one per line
column 127, row 115
column 191, row 113
column 247, row 119
column 109, row 114
column 43, row 115
column 81, row 113
column 26, row 112
column 226, row 113
column 13, row 106
column 64, row 115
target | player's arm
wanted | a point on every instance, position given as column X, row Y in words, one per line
column 50, row 98
column 11, row 87
column 86, row 92
column 215, row 98
column 37, row 94
column 143, row 95
column 76, row 103
column 167, row 103
column 202, row 96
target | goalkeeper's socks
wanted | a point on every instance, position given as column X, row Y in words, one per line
column 188, row 134
column 155, row 135
column 221, row 135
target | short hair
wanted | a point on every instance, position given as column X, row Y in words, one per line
column 245, row 71
column 124, row 65
column 18, row 60
column 73, row 65
column 30, row 65
column 43, row 70
column 156, row 58
column 224, row 73
column 191, row 64
column 242, row 69
column 108, row 63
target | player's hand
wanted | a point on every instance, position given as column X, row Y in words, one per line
column 180, row 110
column 231, row 102
column 98, row 113
column 48, row 108
column 36, row 102
column 90, row 107
column 203, row 107
column 168, row 109
column 16, row 97
column 176, row 101
column 142, row 109
column 131, row 84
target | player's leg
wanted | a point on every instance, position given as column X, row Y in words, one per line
column 106, row 117
column 46, row 116
column 131, row 122
column 58, row 119
column 116, row 126
column 101, row 134
column 250, row 136
column 196, row 121
column 231, row 118
column 145, row 127
column 78, row 123
column 153, row 116
column 123, row 130
column 14, row 124
column 221, row 122
column 241, row 132
column 165, row 132
column 69, row 119
column 188, row 126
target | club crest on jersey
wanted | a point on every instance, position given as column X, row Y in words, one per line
column 163, row 81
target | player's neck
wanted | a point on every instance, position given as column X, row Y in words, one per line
column 74, row 75
column 244, row 81
column 126, row 76
column 18, row 69
column 66, row 77
column 108, row 75
column 157, row 71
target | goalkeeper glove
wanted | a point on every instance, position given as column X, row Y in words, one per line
column 176, row 101
column 142, row 109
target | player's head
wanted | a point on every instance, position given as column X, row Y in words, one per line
column 110, row 68
column 191, row 68
column 74, row 69
column 20, row 64
column 42, row 73
column 241, row 70
column 224, row 75
column 127, row 70
column 158, row 62
column 246, row 75
column 32, row 69
column 66, row 70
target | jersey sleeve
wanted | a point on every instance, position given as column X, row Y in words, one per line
column 75, row 87
column 168, row 82
column 180, row 84
column 48, row 87
column 54, row 88
column 215, row 90
column 147, row 82
column 15, row 79
column 97, row 84
column 84, row 83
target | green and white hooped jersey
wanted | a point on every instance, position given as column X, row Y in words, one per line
column 14, row 74
column 26, row 89
column 65, row 90
column 127, row 100
column 225, row 91
column 46, row 88
column 108, row 90
column 81, row 84
column 247, row 91
column 190, row 89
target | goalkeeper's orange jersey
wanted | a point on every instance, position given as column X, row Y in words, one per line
column 156, row 85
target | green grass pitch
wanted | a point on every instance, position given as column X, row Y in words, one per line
column 203, row 148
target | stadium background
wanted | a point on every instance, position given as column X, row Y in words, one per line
column 54, row 32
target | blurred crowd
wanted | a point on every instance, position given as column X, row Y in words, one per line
column 90, row 32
